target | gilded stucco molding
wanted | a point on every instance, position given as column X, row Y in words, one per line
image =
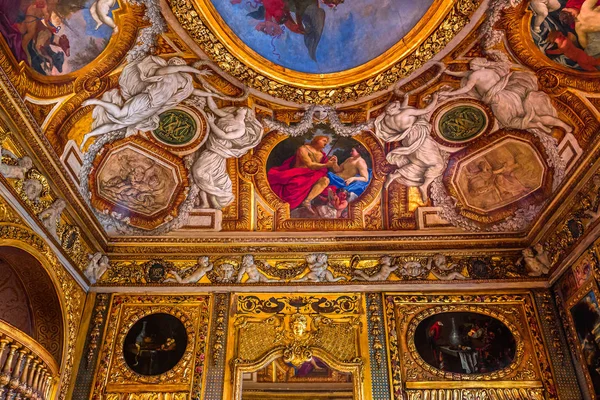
column 456, row 19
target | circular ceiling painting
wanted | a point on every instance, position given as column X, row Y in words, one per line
column 321, row 36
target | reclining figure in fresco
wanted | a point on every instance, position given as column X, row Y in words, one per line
column 147, row 88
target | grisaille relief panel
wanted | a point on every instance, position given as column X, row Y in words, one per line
column 500, row 175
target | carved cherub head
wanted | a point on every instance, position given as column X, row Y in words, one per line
column 299, row 324
column 439, row 260
column 33, row 189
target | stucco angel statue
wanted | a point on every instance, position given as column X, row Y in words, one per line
column 233, row 132
column 419, row 159
column 514, row 96
column 147, row 88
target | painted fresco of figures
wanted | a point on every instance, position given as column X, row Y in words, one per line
column 419, row 159
column 568, row 31
column 514, row 96
column 319, row 175
column 57, row 37
column 233, row 132
column 147, row 88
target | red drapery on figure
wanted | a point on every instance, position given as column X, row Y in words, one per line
column 291, row 184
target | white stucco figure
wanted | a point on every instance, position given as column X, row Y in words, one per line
column 18, row 171
column 250, row 268
column 386, row 266
column 100, row 10
column 147, row 88
column 201, row 268
column 535, row 264
column 97, row 266
column 419, row 159
column 51, row 215
column 439, row 266
column 514, row 96
column 233, row 132
column 318, row 272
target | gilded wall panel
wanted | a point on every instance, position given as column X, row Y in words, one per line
column 464, row 345
column 297, row 341
column 155, row 347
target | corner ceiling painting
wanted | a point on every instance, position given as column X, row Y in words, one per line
column 320, row 37
column 197, row 119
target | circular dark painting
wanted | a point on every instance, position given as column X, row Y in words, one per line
column 155, row 344
column 465, row 343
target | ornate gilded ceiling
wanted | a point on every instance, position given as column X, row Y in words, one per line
column 231, row 127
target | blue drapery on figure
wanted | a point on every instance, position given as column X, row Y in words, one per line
column 356, row 187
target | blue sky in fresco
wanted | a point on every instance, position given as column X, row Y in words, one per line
column 354, row 33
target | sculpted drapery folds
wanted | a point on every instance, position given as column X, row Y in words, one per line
column 147, row 88
column 233, row 132
column 419, row 159
column 514, row 96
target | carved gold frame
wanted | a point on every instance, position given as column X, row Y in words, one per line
column 355, row 316
column 113, row 376
column 530, row 370
column 438, row 27
column 590, row 286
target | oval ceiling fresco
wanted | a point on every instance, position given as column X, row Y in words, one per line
column 321, row 36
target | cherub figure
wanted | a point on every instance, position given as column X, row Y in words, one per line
column 51, row 215
column 250, row 268
column 566, row 46
column 202, row 267
column 535, row 266
column 438, row 262
column 18, row 171
column 33, row 189
column 386, row 267
column 318, row 272
column 542, row 8
column 100, row 10
column 96, row 267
